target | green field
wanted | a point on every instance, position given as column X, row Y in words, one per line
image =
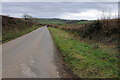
column 59, row 21
column 84, row 22
column 86, row 60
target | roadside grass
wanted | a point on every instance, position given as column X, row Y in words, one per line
column 0, row 38
column 17, row 33
column 85, row 60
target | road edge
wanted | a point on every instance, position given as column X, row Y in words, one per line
column 61, row 60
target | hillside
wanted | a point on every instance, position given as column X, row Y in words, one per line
column 15, row 27
column 59, row 21
column 106, row 31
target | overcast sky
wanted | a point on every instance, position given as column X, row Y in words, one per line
column 64, row 10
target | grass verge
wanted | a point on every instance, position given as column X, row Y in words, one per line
column 17, row 33
column 85, row 60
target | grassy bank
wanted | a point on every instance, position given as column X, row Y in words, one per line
column 15, row 27
column 105, row 31
column 86, row 60
column 17, row 33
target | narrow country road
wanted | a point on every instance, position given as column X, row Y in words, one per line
column 32, row 56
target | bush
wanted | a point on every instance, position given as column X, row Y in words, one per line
column 94, row 27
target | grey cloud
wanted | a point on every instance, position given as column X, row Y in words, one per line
column 53, row 9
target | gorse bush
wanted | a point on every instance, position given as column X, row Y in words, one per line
column 106, row 31
column 94, row 27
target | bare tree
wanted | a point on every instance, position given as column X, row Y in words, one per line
column 27, row 16
column 107, row 13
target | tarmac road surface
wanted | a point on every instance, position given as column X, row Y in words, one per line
column 32, row 56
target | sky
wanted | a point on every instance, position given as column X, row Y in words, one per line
column 63, row 10
column 60, row 0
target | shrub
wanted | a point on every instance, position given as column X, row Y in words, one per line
column 94, row 27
